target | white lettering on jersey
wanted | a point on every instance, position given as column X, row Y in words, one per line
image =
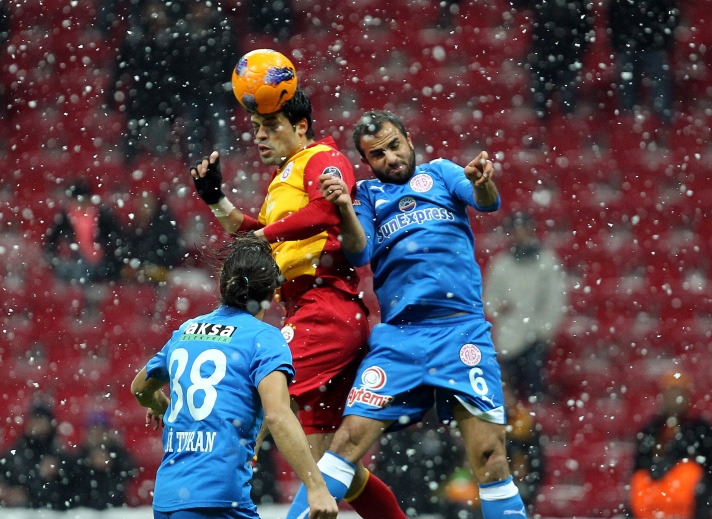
column 417, row 217
column 192, row 441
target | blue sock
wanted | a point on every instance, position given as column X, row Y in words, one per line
column 501, row 499
column 338, row 474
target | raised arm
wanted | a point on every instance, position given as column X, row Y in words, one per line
column 292, row 443
column 480, row 173
column 207, row 178
column 335, row 190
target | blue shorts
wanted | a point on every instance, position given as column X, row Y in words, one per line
column 411, row 367
column 207, row 513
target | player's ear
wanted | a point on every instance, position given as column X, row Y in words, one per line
column 302, row 127
column 410, row 141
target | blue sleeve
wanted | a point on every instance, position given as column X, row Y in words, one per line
column 366, row 217
column 157, row 367
column 271, row 353
column 460, row 186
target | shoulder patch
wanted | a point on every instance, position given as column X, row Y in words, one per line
column 333, row 171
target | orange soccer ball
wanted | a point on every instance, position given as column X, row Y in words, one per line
column 264, row 80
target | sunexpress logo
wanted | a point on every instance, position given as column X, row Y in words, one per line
column 411, row 216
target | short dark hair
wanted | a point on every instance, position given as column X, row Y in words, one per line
column 248, row 275
column 371, row 123
column 297, row 108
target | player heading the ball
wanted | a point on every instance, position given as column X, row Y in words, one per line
column 264, row 80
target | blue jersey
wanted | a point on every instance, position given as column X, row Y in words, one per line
column 420, row 245
column 214, row 364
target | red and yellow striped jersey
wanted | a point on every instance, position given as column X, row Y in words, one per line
column 315, row 260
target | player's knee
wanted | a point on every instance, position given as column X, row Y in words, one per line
column 490, row 462
column 345, row 437
column 495, row 468
column 349, row 440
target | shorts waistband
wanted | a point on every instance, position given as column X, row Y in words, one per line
column 439, row 321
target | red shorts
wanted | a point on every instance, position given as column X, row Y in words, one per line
column 327, row 331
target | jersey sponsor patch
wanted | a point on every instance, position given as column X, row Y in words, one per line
column 208, row 332
column 287, row 171
column 470, row 355
column 365, row 396
column 406, row 204
column 333, row 171
column 421, row 183
column 288, row 333
column 374, row 378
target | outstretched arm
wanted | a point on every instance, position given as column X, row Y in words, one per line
column 335, row 190
column 480, row 172
column 207, row 178
column 292, row 443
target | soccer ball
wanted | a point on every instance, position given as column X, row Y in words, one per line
column 264, row 80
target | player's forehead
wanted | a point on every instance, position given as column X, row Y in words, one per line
column 382, row 139
column 272, row 119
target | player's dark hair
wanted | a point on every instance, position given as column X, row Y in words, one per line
column 248, row 275
column 371, row 123
column 297, row 108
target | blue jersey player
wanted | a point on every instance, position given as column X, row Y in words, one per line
column 228, row 371
column 433, row 346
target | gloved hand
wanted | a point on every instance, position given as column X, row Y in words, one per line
column 208, row 185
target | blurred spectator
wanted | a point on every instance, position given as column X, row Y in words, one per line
column 642, row 34
column 85, row 244
column 102, row 465
column 271, row 17
column 209, row 52
column 673, row 462
column 525, row 295
column 4, row 35
column 4, row 24
column 448, row 12
column 561, row 32
column 35, row 470
column 153, row 242
column 145, row 74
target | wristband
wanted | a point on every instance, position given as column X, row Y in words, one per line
column 223, row 208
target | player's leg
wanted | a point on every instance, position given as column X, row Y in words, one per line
column 327, row 348
column 470, row 392
column 486, row 452
column 352, row 440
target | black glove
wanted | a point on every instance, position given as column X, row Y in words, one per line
column 208, row 187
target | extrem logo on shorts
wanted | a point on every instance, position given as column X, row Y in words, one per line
column 208, row 332
column 373, row 379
